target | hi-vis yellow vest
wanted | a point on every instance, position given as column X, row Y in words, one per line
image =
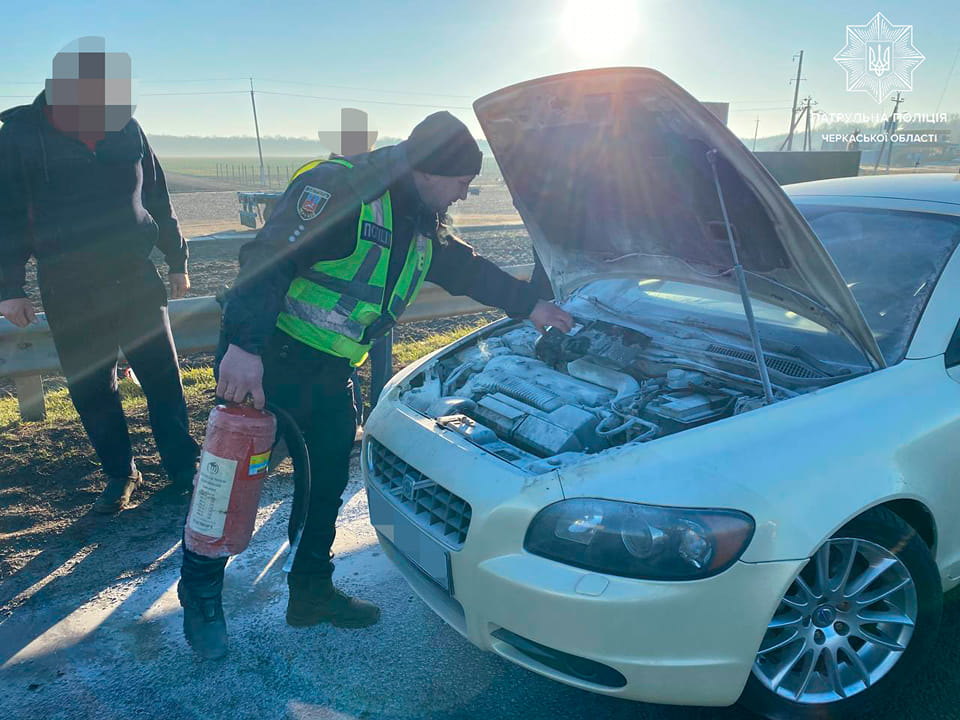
column 332, row 306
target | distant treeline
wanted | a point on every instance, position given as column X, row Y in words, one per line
column 246, row 146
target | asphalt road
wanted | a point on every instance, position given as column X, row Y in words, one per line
column 99, row 636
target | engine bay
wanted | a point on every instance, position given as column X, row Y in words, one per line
column 542, row 401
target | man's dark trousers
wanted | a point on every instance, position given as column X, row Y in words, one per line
column 316, row 390
column 89, row 324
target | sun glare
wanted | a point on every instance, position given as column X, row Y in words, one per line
column 598, row 29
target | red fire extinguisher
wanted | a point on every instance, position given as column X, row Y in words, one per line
column 226, row 489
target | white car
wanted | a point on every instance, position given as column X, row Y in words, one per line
column 645, row 509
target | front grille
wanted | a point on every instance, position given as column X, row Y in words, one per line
column 781, row 365
column 434, row 508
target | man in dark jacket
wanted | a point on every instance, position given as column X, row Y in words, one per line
column 83, row 193
column 342, row 255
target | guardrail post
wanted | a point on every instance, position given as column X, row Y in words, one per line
column 30, row 397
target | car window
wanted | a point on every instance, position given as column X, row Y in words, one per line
column 891, row 261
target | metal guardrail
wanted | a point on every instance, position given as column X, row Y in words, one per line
column 243, row 235
column 26, row 354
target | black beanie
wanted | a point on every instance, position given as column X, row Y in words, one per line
column 441, row 145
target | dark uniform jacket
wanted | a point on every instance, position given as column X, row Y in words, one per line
column 288, row 244
column 90, row 219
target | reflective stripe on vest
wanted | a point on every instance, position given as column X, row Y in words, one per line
column 332, row 305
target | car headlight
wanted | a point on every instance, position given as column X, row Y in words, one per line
column 640, row 541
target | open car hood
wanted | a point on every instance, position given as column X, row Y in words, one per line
column 609, row 171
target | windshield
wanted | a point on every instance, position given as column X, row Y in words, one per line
column 891, row 260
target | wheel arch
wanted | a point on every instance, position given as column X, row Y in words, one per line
column 916, row 515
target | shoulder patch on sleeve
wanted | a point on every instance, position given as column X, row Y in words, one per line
column 311, row 203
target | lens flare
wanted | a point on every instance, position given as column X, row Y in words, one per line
column 598, row 29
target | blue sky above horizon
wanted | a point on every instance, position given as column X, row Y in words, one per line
column 400, row 62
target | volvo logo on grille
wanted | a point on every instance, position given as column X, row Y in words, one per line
column 410, row 484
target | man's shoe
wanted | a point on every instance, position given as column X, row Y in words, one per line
column 314, row 600
column 116, row 494
column 203, row 624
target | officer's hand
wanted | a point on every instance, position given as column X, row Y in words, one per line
column 19, row 311
column 546, row 314
column 179, row 284
column 241, row 374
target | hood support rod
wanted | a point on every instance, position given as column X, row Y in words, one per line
column 742, row 282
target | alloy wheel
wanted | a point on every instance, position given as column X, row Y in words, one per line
column 842, row 625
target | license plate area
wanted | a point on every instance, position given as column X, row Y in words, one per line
column 416, row 545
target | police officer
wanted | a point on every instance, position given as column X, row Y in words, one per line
column 343, row 254
column 82, row 192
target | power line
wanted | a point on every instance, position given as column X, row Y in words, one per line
column 201, row 92
column 271, row 80
column 192, row 80
column 949, row 75
column 365, row 89
column 761, row 109
column 369, row 102
column 753, row 102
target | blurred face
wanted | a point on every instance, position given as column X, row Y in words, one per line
column 90, row 91
column 439, row 192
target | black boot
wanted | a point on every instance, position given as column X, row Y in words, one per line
column 182, row 480
column 116, row 494
column 314, row 600
column 203, row 624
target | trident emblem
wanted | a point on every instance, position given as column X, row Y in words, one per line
column 878, row 58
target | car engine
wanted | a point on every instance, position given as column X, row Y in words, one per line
column 543, row 401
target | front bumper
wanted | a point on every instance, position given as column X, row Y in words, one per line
column 686, row 643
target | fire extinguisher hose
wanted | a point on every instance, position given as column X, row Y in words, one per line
column 289, row 431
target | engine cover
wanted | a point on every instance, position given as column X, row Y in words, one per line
column 565, row 429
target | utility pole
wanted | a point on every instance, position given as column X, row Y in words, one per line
column 256, row 126
column 755, row 129
column 796, row 122
column 796, row 94
column 808, row 131
column 889, row 127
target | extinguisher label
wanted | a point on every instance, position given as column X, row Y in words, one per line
column 259, row 463
column 212, row 495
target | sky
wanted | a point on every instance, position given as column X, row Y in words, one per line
column 192, row 60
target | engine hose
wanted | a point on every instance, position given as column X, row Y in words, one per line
column 603, row 431
column 289, row 431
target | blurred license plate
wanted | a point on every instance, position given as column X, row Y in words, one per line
column 416, row 545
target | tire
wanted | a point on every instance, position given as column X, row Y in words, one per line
column 842, row 664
